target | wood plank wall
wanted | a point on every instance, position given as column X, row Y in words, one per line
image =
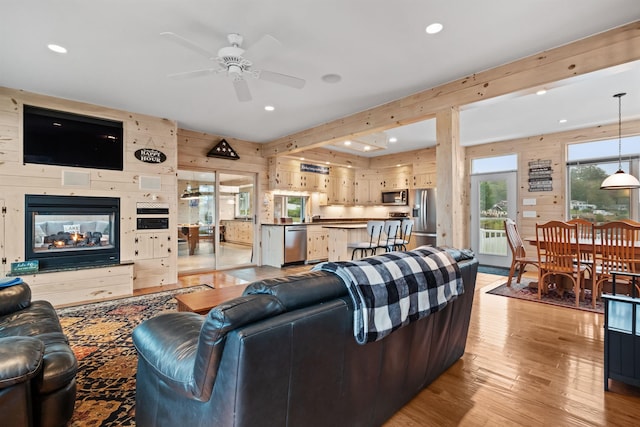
column 18, row 179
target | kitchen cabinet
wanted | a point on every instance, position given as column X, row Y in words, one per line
column 317, row 243
column 341, row 190
column 424, row 180
column 361, row 195
column 152, row 245
column 272, row 245
column 368, row 187
column 398, row 178
column 238, row 231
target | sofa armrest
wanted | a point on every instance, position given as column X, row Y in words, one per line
column 20, row 360
column 184, row 349
column 14, row 298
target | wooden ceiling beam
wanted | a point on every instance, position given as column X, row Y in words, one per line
column 600, row 51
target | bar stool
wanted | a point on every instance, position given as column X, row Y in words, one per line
column 391, row 229
column 374, row 230
column 406, row 228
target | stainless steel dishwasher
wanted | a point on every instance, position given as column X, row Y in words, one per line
column 295, row 243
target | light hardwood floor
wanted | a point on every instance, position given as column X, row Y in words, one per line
column 526, row 363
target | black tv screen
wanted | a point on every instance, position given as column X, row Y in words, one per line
column 65, row 139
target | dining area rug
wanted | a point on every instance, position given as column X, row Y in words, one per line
column 100, row 336
column 524, row 292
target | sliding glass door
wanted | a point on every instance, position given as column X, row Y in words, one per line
column 216, row 220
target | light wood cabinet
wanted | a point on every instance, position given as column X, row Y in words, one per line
column 341, row 188
column 368, row 187
column 152, row 245
column 272, row 245
column 398, row 178
column 424, row 180
column 317, row 243
column 238, row 231
column 361, row 194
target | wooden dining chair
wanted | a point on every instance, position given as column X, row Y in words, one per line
column 559, row 257
column 519, row 258
column 585, row 234
column 615, row 249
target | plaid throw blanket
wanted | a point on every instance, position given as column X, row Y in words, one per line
column 391, row 290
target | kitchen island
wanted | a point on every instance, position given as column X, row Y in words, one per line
column 325, row 240
column 340, row 235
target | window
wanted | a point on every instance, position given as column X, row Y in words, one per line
column 494, row 164
column 293, row 207
column 243, row 204
column 588, row 165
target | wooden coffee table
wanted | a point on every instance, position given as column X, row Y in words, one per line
column 202, row 302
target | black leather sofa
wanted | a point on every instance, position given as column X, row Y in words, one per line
column 284, row 354
column 37, row 366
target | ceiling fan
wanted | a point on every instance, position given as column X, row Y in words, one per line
column 231, row 61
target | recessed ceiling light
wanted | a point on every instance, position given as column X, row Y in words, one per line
column 269, row 107
column 541, row 92
column 327, row 163
column 393, row 139
column 398, row 165
column 434, row 28
column 57, row 48
column 348, row 166
column 347, row 143
column 301, row 158
column 331, row 78
column 562, row 121
column 367, row 148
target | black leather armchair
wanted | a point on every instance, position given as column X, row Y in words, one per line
column 37, row 366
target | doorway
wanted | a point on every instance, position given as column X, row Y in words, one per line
column 493, row 199
column 216, row 220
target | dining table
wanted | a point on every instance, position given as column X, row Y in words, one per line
column 587, row 246
column 190, row 232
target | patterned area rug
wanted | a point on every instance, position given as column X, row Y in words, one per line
column 100, row 336
column 566, row 299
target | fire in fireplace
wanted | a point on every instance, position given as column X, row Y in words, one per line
column 72, row 231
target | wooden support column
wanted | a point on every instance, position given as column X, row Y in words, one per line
column 451, row 203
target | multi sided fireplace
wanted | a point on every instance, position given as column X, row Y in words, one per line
column 72, row 231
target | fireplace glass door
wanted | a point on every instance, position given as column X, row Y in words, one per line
column 69, row 232
column 72, row 231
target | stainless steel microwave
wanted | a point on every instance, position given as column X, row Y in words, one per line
column 395, row 198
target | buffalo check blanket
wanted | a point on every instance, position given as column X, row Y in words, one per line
column 391, row 290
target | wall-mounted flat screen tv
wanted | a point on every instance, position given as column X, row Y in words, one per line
column 65, row 139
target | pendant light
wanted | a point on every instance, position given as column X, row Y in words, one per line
column 188, row 194
column 620, row 180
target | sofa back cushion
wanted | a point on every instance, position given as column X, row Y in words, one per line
column 301, row 290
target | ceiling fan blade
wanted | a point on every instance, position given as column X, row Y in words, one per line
column 282, row 79
column 188, row 44
column 195, row 73
column 242, row 90
column 263, row 48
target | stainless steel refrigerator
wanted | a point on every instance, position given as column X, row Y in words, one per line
column 424, row 215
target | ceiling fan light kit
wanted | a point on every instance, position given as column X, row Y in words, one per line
column 237, row 67
column 620, row 180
